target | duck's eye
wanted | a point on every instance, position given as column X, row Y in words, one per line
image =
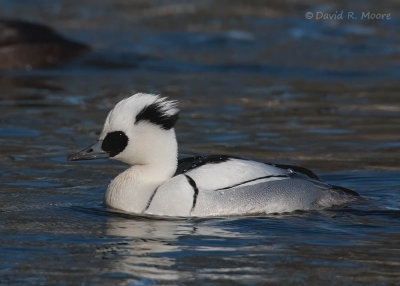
column 114, row 143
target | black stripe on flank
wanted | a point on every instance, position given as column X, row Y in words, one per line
column 195, row 190
column 252, row 180
column 150, row 200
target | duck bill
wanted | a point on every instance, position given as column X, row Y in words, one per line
column 90, row 153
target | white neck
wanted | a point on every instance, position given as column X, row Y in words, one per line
column 131, row 190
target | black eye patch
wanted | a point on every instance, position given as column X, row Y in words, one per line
column 114, row 143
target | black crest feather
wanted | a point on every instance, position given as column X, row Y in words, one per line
column 156, row 113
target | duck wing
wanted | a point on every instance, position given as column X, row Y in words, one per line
column 220, row 185
column 193, row 162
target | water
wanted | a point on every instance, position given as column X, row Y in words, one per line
column 253, row 79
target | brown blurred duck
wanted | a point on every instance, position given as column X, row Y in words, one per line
column 26, row 45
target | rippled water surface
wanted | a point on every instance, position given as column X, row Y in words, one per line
column 254, row 79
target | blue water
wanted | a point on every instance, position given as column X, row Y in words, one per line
column 253, row 79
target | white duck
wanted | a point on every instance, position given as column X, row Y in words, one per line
column 139, row 131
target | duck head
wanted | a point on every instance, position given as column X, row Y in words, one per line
column 139, row 130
